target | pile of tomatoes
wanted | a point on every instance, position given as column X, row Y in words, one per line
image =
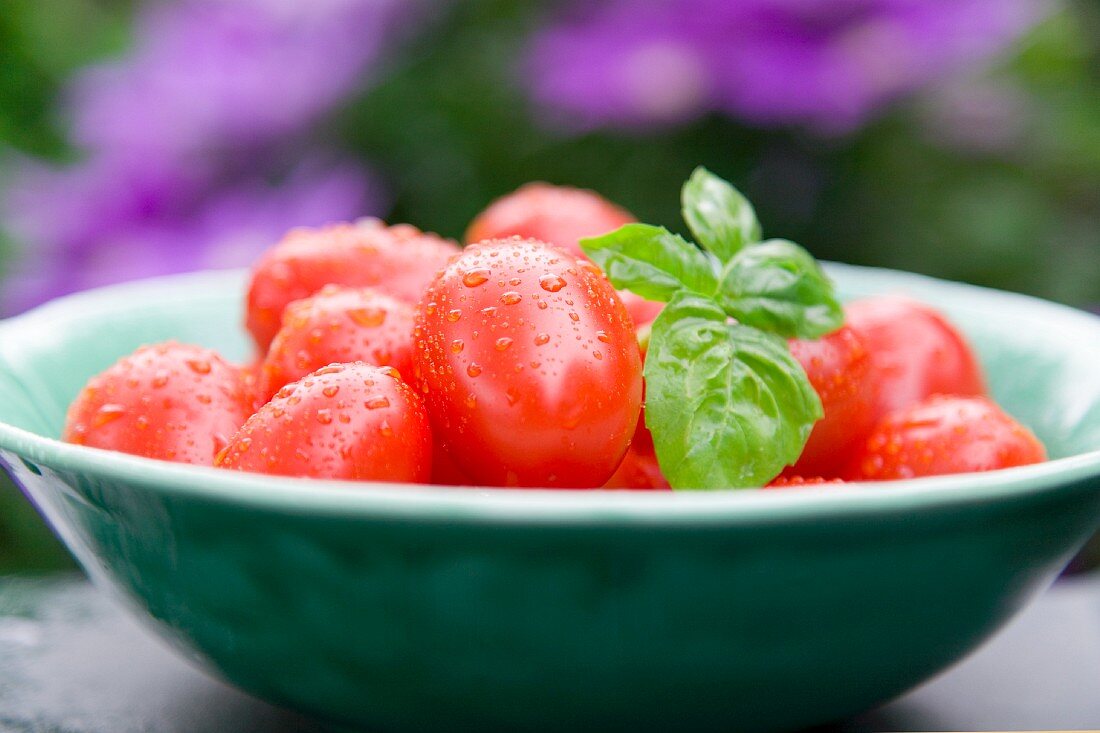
column 390, row 354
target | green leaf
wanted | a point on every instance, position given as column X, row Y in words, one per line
column 651, row 262
column 727, row 404
column 777, row 286
column 719, row 216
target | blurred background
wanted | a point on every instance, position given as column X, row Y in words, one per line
column 959, row 139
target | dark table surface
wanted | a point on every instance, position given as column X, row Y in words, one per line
column 71, row 661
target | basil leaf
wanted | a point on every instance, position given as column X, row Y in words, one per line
column 651, row 262
column 727, row 404
column 777, row 286
column 718, row 215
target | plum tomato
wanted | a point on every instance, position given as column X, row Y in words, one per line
column 639, row 468
column 530, row 366
column 943, row 435
column 339, row 325
column 399, row 260
column 839, row 368
column 557, row 215
column 786, row 482
column 915, row 352
column 344, row 421
column 170, row 401
column 561, row 216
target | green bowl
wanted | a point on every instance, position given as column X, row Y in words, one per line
column 429, row 609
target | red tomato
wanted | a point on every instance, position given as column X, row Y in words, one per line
column 530, row 366
column 169, row 401
column 399, row 260
column 339, row 325
column 639, row 468
column 344, row 421
column 942, row 435
column 445, row 472
column 839, row 368
column 915, row 352
column 558, row 215
column 783, row 482
column 561, row 216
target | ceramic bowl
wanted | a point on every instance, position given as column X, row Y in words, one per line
column 405, row 608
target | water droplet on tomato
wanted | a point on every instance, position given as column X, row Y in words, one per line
column 453, row 315
column 330, row 391
column 108, row 413
column 324, row 416
column 473, row 278
column 574, row 317
column 457, row 345
column 377, row 402
column 602, row 336
column 474, row 369
column 199, row 366
column 503, row 343
column 160, row 378
column 551, row 282
column 471, row 401
column 385, row 430
column 542, row 338
column 367, row 317
column 511, row 298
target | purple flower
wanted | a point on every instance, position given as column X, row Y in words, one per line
column 206, row 75
column 229, row 228
column 213, row 97
column 828, row 64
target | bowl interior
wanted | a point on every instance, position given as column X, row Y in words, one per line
column 1039, row 358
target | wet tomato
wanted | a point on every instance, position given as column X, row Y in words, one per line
column 639, row 468
column 839, row 368
column 943, row 435
column 398, row 260
column 529, row 365
column 786, row 482
column 170, row 401
column 915, row 353
column 557, row 215
column 561, row 216
column 339, row 325
column 343, row 421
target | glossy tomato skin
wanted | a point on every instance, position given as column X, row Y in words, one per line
column 558, row 215
column 639, row 469
column 794, row 481
column 945, row 435
column 339, row 325
column 529, row 365
column 344, row 421
column 561, row 216
column 839, row 368
column 398, row 260
column 170, row 401
column 915, row 351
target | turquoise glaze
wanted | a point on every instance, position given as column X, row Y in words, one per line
column 431, row 609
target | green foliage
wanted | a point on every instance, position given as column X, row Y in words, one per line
column 726, row 402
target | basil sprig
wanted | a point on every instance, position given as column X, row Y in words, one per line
column 727, row 404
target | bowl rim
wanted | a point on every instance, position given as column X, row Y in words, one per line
column 421, row 502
